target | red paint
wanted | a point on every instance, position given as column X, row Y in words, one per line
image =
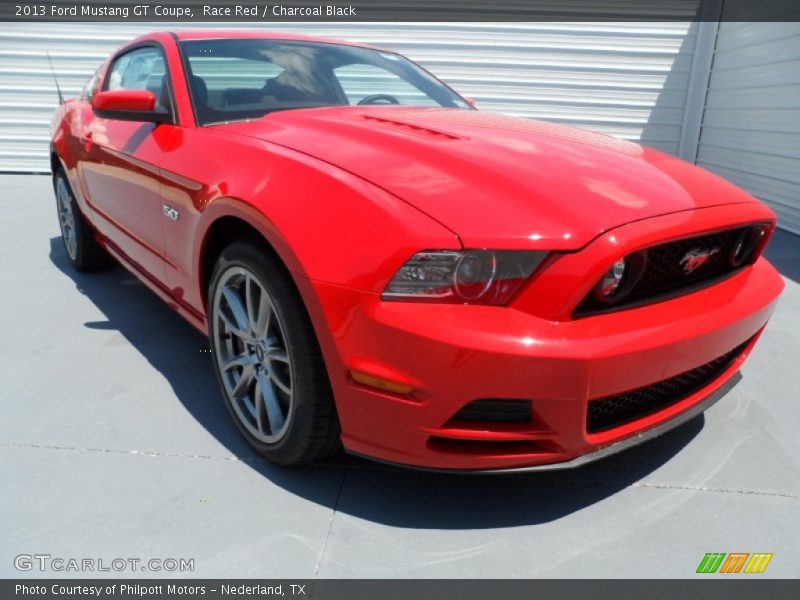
column 346, row 194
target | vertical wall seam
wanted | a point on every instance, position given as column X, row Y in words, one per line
column 700, row 79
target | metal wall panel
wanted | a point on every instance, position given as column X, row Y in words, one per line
column 625, row 79
column 751, row 123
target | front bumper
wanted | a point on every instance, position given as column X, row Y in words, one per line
column 617, row 447
column 452, row 355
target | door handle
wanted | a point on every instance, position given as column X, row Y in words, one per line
column 87, row 141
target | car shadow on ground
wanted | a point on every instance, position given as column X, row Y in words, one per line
column 379, row 493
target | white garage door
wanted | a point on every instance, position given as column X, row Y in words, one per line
column 626, row 79
column 751, row 125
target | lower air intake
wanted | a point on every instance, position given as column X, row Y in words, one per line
column 496, row 411
column 613, row 411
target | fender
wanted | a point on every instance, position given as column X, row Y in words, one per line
column 235, row 207
column 225, row 207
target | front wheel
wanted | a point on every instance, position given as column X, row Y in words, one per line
column 267, row 359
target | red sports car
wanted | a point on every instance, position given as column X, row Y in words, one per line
column 377, row 264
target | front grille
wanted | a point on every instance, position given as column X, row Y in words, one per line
column 664, row 273
column 613, row 411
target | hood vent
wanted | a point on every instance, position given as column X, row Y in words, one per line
column 418, row 130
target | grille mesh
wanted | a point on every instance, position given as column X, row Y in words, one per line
column 664, row 271
column 664, row 274
column 613, row 411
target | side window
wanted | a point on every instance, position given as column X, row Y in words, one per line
column 361, row 80
column 142, row 69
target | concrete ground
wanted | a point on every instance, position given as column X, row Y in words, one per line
column 114, row 442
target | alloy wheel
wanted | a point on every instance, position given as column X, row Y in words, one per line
column 252, row 354
column 66, row 218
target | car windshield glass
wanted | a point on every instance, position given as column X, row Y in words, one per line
column 237, row 79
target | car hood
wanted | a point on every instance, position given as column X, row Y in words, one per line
column 498, row 181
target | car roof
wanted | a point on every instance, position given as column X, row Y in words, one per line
column 225, row 34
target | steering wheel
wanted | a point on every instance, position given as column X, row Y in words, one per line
column 378, row 99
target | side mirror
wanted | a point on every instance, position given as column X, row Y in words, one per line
column 129, row 105
column 471, row 102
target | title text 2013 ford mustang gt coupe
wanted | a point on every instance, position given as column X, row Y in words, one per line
column 377, row 264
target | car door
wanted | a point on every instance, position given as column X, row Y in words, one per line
column 121, row 159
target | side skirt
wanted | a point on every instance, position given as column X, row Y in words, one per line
column 194, row 317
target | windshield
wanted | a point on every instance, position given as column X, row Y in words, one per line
column 238, row 79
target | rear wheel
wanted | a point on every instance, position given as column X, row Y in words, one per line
column 267, row 359
column 83, row 251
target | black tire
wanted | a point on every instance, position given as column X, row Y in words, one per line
column 311, row 426
column 83, row 251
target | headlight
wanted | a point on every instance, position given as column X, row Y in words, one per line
column 466, row 276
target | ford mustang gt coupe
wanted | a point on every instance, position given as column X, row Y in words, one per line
column 379, row 265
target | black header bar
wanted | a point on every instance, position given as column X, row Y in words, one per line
column 710, row 587
column 257, row 12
